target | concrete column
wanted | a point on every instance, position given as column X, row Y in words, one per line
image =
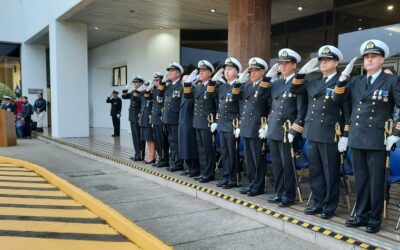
column 249, row 28
column 69, row 79
column 33, row 72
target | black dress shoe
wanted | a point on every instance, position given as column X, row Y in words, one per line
column 313, row 210
column 286, row 203
column 194, row 173
column 229, row 185
column 274, row 199
column 175, row 168
column 254, row 193
column 186, row 172
column 373, row 228
column 326, row 215
column 155, row 164
column 245, row 190
column 222, row 183
column 115, row 135
column 197, row 178
column 206, row 179
column 162, row 165
column 356, row 222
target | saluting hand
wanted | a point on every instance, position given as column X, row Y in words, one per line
column 310, row 66
column 273, row 71
column 218, row 75
column 347, row 71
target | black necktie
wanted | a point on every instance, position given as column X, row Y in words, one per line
column 324, row 79
column 369, row 81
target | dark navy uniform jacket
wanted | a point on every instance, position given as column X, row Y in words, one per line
column 285, row 106
column 322, row 112
column 204, row 105
column 172, row 101
column 158, row 104
column 116, row 105
column 372, row 106
column 145, row 114
column 134, row 106
column 255, row 101
column 228, row 107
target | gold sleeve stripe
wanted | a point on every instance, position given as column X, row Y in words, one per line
column 297, row 81
column 236, row 91
column 339, row 90
column 346, row 127
column 297, row 128
column 161, row 87
column 210, row 89
column 187, row 90
column 264, row 85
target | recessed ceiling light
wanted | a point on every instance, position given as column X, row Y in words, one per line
column 390, row 7
column 96, row 28
column 212, row 10
column 360, row 19
column 300, row 8
column 359, row 28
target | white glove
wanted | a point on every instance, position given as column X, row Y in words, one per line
column 142, row 88
column 391, row 140
column 151, row 86
column 290, row 137
column 236, row 132
column 192, row 76
column 262, row 132
column 213, row 127
column 244, row 77
column 346, row 72
column 219, row 74
column 342, row 145
column 273, row 71
column 165, row 77
column 118, row 115
column 310, row 66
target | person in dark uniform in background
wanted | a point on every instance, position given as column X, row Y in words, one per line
column 134, row 94
column 116, row 106
column 285, row 106
column 159, row 130
column 172, row 92
column 323, row 115
column 8, row 105
column 255, row 108
column 186, row 133
column 146, row 131
column 373, row 97
column 204, row 107
column 26, row 115
column 229, row 95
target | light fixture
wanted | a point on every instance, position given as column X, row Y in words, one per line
column 360, row 19
column 390, row 7
column 213, row 10
column 359, row 28
column 96, row 28
column 300, row 8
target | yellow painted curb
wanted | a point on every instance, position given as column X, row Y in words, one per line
column 124, row 226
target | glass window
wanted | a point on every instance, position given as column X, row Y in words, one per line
column 119, row 76
column 10, row 66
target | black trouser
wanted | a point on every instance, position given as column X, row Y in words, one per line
column 173, row 145
column 27, row 127
column 193, row 165
column 369, row 172
column 161, row 141
column 255, row 163
column 323, row 161
column 285, row 186
column 137, row 144
column 116, row 124
column 205, row 148
column 228, row 155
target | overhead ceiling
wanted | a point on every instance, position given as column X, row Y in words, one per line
column 109, row 20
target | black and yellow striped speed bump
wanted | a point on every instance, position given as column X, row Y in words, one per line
column 39, row 210
column 227, row 197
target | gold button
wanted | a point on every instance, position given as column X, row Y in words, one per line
column 312, row 112
column 322, row 114
column 324, row 100
column 373, row 103
column 323, row 107
column 322, row 120
column 372, row 111
column 312, row 119
column 370, row 125
column 313, row 105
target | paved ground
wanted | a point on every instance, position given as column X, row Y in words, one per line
column 177, row 219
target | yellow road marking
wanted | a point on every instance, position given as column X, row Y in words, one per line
column 31, row 192
column 13, row 168
column 46, row 212
column 4, row 164
column 21, row 243
column 22, row 184
column 18, row 173
column 58, row 227
column 18, row 178
column 29, row 201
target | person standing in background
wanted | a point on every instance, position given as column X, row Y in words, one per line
column 40, row 109
column 116, row 106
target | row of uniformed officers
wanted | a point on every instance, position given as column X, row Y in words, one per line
column 332, row 111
